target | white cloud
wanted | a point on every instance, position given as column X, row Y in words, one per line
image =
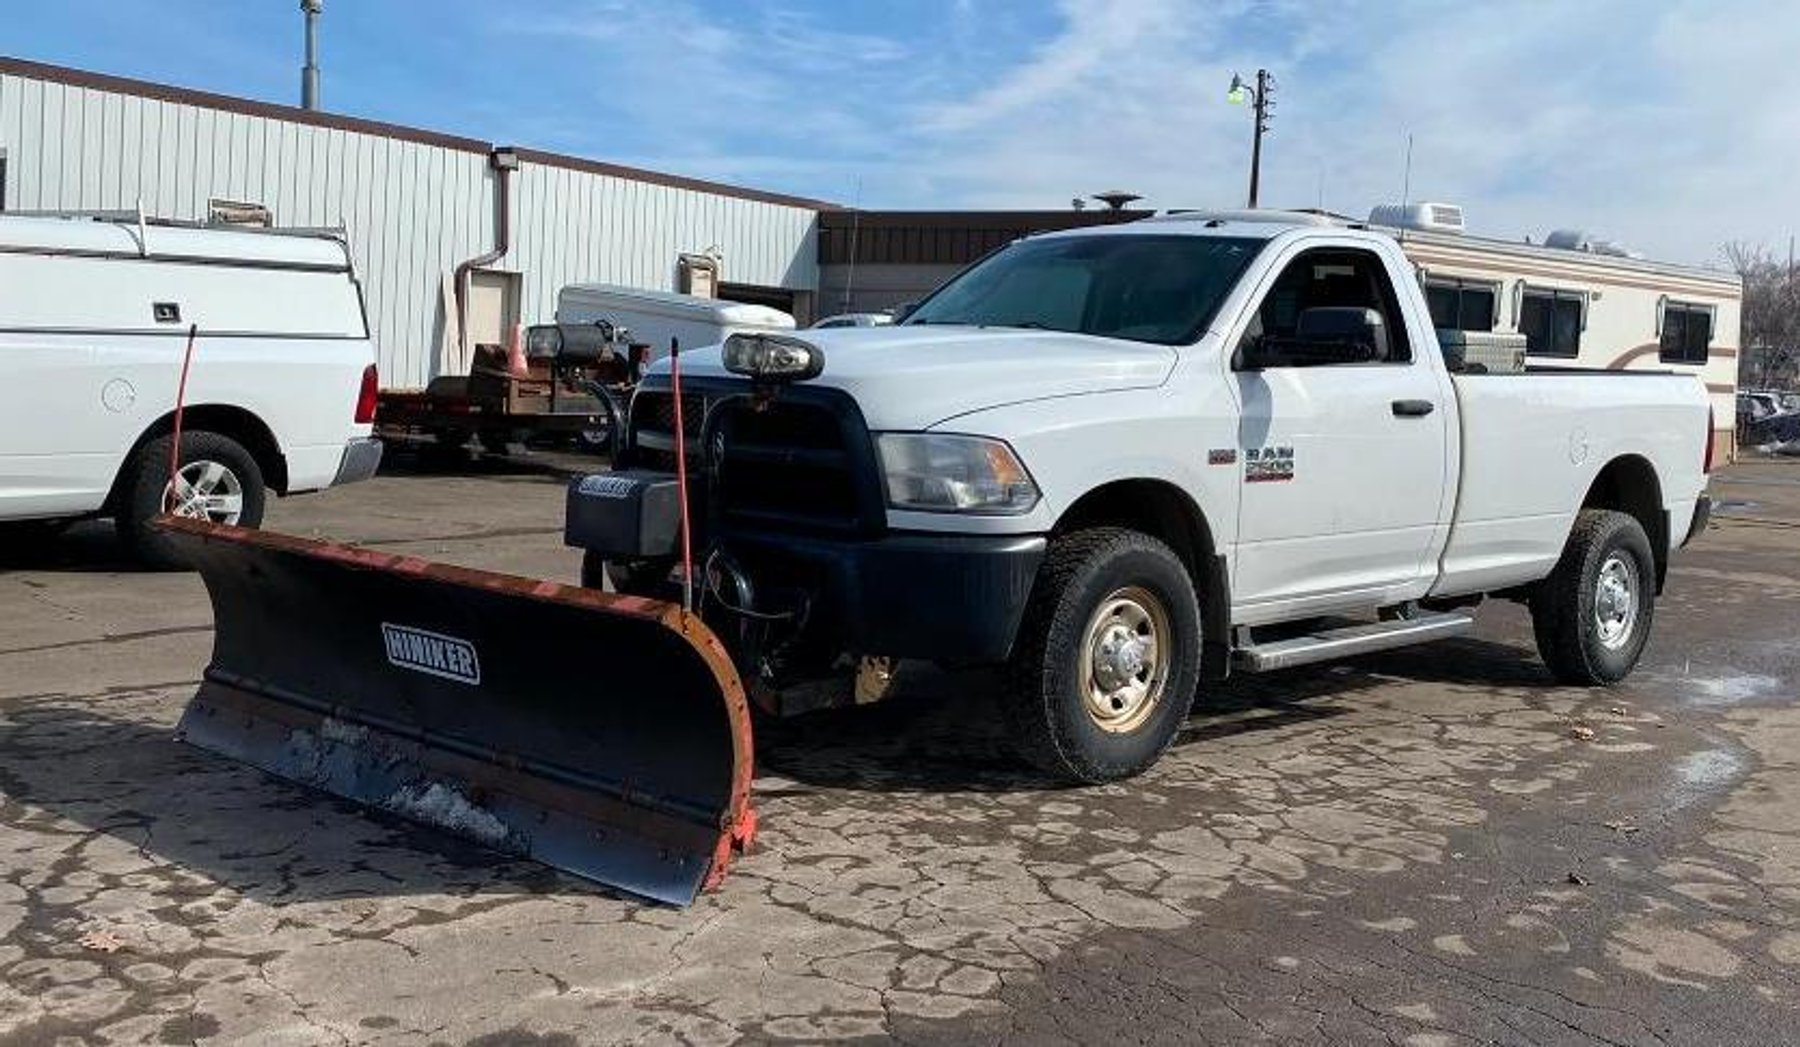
column 1668, row 126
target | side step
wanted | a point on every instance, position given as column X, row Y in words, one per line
column 1356, row 639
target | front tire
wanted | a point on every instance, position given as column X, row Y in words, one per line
column 1592, row 615
column 221, row 482
column 1108, row 656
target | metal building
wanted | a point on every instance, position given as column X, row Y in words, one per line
column 416, row 204
column 871, row 260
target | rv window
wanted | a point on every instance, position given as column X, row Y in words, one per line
column 1551, row 323
column 1458, row 306
column 1686, row 330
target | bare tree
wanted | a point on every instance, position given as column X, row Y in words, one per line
column 1769, row 343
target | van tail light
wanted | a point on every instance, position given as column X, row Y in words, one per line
column 365, row 397
column 1711, row 435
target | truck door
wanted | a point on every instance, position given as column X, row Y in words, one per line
column 1343, row 462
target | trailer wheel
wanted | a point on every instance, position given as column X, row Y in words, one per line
column 450, row 441
column 1592, row 615
column 221, row 482
column 1107, row 658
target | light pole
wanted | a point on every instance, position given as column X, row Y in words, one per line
column 309, row 74
column 1260, row 105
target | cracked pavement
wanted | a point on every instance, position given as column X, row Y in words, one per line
column 1428, row 847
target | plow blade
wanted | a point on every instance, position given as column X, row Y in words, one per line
column 604, row 735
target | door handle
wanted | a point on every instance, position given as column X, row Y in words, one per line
column 1413, row 408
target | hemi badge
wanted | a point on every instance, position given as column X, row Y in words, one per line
column 423, row 651
column 1221, row 456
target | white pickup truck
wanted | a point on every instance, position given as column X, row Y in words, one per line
column 94, row 323
column 1124, row 461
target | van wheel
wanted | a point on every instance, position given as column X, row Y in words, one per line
column 220, row 481
column 1592, row 614
column 1108, row 656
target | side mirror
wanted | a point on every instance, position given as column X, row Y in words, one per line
column 1322, row 336
column 904, row 310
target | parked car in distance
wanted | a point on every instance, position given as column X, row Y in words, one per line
column 1755, row 406
column 94, row 323
column 854, row 320
column 1768, row 421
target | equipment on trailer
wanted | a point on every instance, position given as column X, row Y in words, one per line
column 569, row 382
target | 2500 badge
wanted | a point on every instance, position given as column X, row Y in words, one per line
column 1268, row 464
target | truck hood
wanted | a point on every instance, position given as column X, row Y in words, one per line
column 914, row 377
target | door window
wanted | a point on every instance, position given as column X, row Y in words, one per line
column 1326, row 278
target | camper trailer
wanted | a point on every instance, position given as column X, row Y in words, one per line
column 1579, row 302
column 656, row 317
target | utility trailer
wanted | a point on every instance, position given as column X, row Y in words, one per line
column 567, row 385
column 604, row 334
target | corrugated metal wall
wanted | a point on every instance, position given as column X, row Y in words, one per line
column 413, row 209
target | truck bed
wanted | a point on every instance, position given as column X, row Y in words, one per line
column 1532, row 447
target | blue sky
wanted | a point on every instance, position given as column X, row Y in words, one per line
column 1669, row 126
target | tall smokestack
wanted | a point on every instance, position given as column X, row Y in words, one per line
column 309, row 73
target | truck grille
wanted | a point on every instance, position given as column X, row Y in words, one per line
column 801, row 461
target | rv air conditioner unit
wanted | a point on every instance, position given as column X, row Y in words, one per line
column 1436, row 218
column 1581, row 240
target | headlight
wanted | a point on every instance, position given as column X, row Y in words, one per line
column 772, row 358
column 543, row 340
column 958, row 474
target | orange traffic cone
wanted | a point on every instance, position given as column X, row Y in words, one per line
column 515, row 352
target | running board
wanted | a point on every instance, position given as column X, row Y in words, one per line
column 1356, row 639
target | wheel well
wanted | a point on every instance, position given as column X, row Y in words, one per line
column 1165, row 512
column 226, row 420
column 1629, row 485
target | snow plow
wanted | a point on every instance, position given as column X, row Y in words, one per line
column 473, row 701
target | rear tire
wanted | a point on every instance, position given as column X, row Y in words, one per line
column 1592, row 615
column 226, row 483
column 1107, row 658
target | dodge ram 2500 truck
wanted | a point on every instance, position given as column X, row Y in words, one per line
column 1125, row 461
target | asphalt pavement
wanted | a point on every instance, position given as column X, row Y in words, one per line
column 1427, row 847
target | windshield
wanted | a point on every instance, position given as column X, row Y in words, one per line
column 1161, row 289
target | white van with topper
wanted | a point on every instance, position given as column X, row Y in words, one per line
column 95, row 314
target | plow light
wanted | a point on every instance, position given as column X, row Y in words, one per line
column 771, row 358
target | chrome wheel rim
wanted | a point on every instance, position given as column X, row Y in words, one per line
column 205, row 490
column 1616, row 601
column 1124, row 659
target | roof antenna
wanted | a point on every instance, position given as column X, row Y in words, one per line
column 1406, row 180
